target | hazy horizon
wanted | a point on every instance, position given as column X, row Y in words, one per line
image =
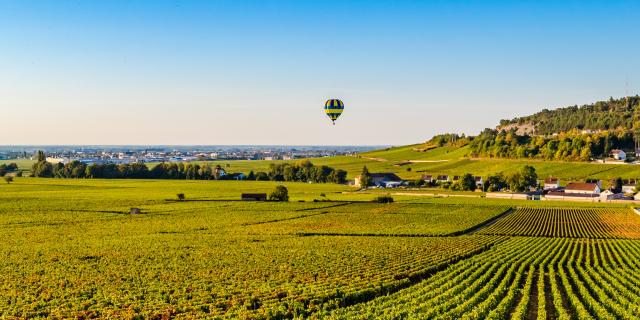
column 259, row 72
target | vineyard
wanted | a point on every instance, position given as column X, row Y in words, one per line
column 70, row 250
column 569, row 223
column 406, row 219
column 523, row 278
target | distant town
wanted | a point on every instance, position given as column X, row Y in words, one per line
column 147, row 154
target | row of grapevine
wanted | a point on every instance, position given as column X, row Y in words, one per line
column 523, row 278
column 568, row 223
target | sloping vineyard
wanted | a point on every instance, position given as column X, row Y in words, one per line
column 568, row 223
column 523, row 278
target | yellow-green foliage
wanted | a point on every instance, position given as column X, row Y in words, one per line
column 70, row 249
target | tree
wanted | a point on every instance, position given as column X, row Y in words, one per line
column 365, row 178
column 280, row 193
column 40, row 156
column 42, row 169
column 468, row 182
column 617, row 185
column 251, row 176
column 523, row 179
column 529, row 176
column 495, row 183
column 8, row 178
column 262, row 176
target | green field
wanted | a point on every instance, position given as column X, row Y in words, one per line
column 71, row 250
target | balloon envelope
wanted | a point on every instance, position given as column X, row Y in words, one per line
column 333, row 108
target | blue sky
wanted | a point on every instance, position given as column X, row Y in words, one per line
column 258, row 72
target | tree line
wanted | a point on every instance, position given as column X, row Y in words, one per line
column 303, row 171
column 8, row 168
column 567, row 146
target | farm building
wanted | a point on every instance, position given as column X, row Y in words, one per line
column 610, row 195
column 618, row 154
column 582, row 188
column 382, row 180
column 479, row 182
column 253, row 197
column 629, row 188
column 559, row 195
column 551, row 183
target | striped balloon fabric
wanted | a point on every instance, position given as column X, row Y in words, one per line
column 333, row 108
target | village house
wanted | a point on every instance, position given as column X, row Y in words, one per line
column 427, row 178
column 618, row 154
column 443, row 179
column 629, row 188
column 384, row 179
column 479, row 182
column 582, row 188
column 551, row 183
column 610, row 195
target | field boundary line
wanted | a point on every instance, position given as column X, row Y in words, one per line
column 386, row 235
column 284, row 219
column 327, row 207
column 484, row 224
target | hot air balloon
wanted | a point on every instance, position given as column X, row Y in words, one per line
column 333, row 108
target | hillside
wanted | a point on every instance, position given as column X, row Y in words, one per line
column 622, row 113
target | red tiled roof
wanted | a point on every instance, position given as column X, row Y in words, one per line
column 581, row 186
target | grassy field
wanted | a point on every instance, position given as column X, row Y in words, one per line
column 71, row 250
column 23, row 164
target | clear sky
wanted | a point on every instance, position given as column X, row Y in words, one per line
column 258, row 72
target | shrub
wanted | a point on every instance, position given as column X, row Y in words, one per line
column 8, row 178
column 180, row 196
column 280, row 193
column 384, row 199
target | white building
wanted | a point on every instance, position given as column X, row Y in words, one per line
column 551, row 183
column 610, row 195
column 582, row 188
column 618, row 154
column 629, row 188
column 479, row 182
